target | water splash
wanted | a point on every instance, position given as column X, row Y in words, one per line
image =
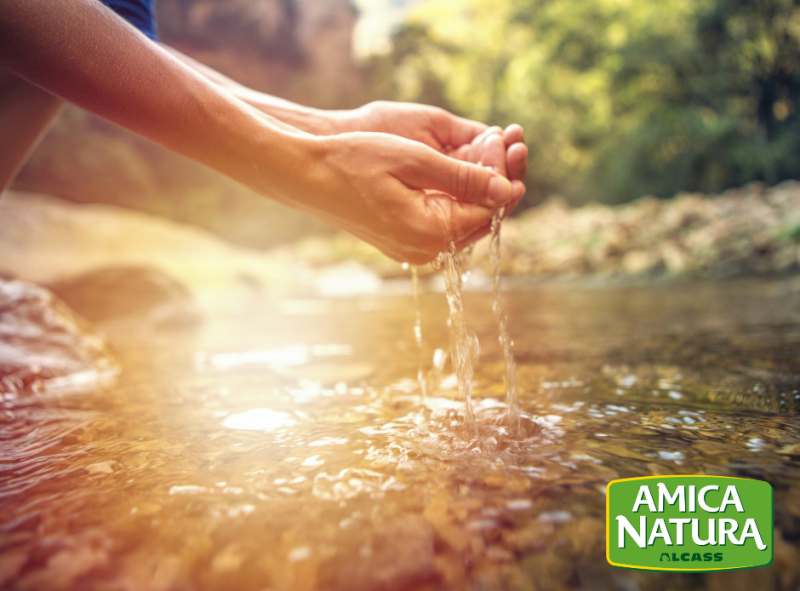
column 501, row 319
column 437, row 369
column 464, row 347
column 423, row 389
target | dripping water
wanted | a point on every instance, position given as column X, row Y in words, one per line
column 418, row 332
column 501, row 319
column 464, row 348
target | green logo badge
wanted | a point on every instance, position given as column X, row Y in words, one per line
column 689, row 523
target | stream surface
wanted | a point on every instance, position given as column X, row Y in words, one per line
column 287, row 447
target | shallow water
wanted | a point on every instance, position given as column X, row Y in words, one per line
column 288, row 447
column 501, row 319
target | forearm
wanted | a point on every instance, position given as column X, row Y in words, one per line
column 82, row 52
column 26, row 112
column 311, row 120
column 375, row 185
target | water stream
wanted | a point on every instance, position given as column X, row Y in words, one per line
column 501, row 319
column 287, row 447
column 464, row 347
column 423, row 382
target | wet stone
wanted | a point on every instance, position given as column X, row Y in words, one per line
column 399, row 554
column 44, row 343
column 132, row 293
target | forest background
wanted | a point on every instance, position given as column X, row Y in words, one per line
column 619, row 98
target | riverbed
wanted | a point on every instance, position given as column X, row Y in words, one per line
column 287, row 446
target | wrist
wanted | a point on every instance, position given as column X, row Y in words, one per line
column 315, row 121
column 343, row 121
column 308, row 119
column 286, row 166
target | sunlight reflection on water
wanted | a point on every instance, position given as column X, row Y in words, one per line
column 259, row 419
column 307, row 458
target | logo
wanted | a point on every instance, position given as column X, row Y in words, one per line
column 689, row 523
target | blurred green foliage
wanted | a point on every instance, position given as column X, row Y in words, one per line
column 618, row 98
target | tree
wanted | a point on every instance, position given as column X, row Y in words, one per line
column 618, row 98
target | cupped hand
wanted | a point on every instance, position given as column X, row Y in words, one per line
column 485, row 149
column 399, row 195
column 444, row 132
column 504, row 152
column 432, row 126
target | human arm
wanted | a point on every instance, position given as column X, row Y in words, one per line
column 309, row 119
column 370, row 184
column 432, row 126
column 26, row 112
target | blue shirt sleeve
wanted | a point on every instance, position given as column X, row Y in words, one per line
column 140, row 13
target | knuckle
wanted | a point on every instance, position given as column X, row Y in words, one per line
column 464, row 180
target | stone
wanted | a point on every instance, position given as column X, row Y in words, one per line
column 640, row 261
column 399, row 555
column 129, row 292
column 43, row 342
column 46, row 240
column 753, row 230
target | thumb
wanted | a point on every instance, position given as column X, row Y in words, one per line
column 462, row 180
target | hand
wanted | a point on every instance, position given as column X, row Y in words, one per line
column 488, row 150
column 390, row 191
column 431, row 126
column 444, row 132
column 503, row 152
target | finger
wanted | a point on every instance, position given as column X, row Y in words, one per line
column 477, row 145
column 513, row 134
column 461, row 180
column 458, row 131
column 517, row 161
column 475, row 151
column 461, row 153
column 518, row 188
column 494, row 130
column 467, row 219
column 494, row 154
column 487, row 228
column 510, row 207
column 474, row 236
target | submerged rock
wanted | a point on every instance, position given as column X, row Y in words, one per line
column 44, row 345
column 397, row 556
column 131, row 292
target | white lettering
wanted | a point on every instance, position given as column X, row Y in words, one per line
column 660, row 531
column 727, row 531
column 663, row 494
column 696, row 533
column 731, row 498
column 644, row 498
column 692, row 498
column 625, row 526
column 680, row 523
column 751, row 531
column 701, row 498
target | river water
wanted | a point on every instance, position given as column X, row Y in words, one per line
column 287, row 447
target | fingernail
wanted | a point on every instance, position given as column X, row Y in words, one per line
column 498, row 190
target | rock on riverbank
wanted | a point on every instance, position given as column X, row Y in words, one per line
column 747, row 231
column 45, row 346
column 751, row 230
column 50, row 241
